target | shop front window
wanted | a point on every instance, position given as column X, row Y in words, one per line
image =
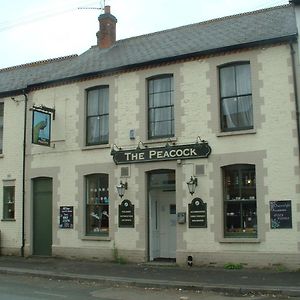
column 8, row 203
column 97, row 204
column 240, row 204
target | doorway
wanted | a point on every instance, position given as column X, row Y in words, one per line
column 42, row 216
column 162, row 215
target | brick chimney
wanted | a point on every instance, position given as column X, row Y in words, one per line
column 106, row 36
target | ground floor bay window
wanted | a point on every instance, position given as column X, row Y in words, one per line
column 240, row 207
column 97, row 204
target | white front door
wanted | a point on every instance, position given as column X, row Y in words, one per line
column 162, row 224
column 167, row 232
column 154, row 231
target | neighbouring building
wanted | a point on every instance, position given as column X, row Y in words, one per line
column 181, row 144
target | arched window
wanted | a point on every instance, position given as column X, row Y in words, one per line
column 97, row 204
column 236, row 97
column 240, row 209
column 160, row 106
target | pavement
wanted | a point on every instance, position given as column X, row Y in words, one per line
column 159, row 275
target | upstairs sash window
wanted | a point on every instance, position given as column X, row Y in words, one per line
column 161, row 107
column 97, row 119
column 236, row 97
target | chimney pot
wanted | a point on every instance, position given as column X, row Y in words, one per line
column 106, row 36
column 107, row 9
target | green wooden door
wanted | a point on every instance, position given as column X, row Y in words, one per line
column 42, row 216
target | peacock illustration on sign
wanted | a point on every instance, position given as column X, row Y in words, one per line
column 41, row 124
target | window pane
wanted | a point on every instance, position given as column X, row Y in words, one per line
column 93, row 130
column 162, row 129
column 9, row 202
column 243, row 79
column 103, row 101
column 233, row 217
column 97, row 208
column 230, row 113
column 162, row 85
column 162, row 99
column 93, row 103
column 162, row 114
column 245, row 114
column 104, row 129
column 151, row 86
column 227, row 82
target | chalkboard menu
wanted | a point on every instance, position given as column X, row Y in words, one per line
column 126, row 214
column 66, row 217
column 281, row 214
column 197, row 214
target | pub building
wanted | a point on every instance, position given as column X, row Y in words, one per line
column 180, row 145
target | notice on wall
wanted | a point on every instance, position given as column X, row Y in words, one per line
column 197, row 214
column 126, row 214
column 281, row 214
column 66, row 217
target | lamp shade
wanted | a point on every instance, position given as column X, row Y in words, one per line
column 121, row 189
column 192, row 185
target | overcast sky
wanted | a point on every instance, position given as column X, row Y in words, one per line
column 32, row 30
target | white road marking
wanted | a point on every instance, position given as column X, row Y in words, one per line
column 50, row 294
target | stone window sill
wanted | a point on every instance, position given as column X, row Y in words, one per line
column 241, row 132
column 163, row 140
column 96, row 238
column 239, row 240
column 106, row 146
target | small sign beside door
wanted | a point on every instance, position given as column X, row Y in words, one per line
column 66, row 217
column 126, row 214
column 197, row 214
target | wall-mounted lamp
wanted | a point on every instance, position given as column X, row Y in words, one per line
column 192, row 185
column 121, row 188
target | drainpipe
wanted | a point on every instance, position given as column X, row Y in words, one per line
column 295, row 92
column 24, row 173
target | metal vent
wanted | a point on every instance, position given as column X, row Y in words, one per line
column 199, row 170
column 124, row 172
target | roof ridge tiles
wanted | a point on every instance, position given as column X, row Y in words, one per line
column 39, row 62
column 208, row 21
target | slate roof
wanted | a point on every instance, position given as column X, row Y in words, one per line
column 238, row 31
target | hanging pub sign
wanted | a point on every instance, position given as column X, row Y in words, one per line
column 41, row 124
column 41, row 128
column 126, row 214
column 197, row 214
column 281, row 214
column 66, row 217
column 168, row 152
